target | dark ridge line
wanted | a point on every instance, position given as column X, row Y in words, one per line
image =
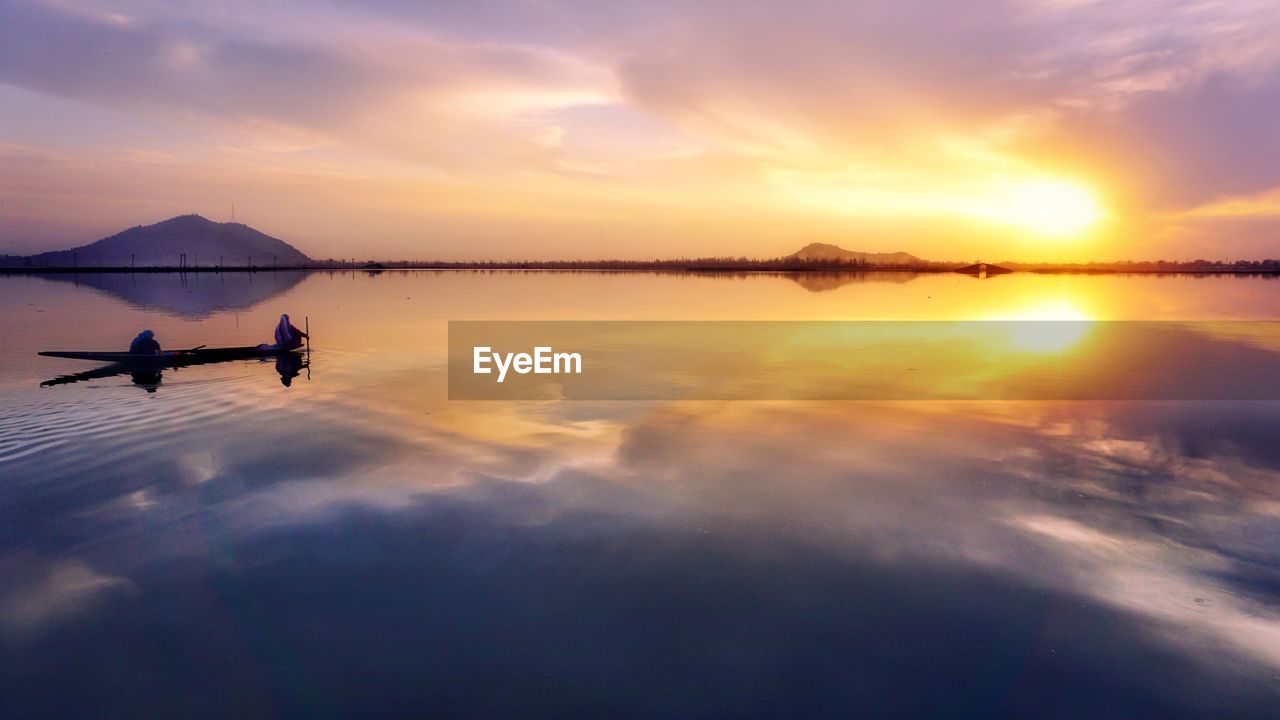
column 663, row 267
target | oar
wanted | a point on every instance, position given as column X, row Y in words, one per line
column 306, row 319
column 195, row 348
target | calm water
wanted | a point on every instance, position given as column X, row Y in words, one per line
column 214, row 543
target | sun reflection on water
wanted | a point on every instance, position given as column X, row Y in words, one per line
column 1049, row 327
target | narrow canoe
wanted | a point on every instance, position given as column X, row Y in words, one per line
column 173, row 356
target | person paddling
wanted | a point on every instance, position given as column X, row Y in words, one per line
column 287, row 336
column 145, row 344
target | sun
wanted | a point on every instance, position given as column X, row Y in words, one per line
column 1030, row 202
column 1051, row 208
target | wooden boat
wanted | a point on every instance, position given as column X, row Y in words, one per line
column 174, row 357
column 148, row 367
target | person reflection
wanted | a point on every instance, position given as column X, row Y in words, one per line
column 148, row 380
column 290, row 366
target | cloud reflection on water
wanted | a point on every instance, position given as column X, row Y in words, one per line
column 360, row 545
column 810, row 553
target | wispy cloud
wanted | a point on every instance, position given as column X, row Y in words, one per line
column 1156, row 104
column 1263, row 204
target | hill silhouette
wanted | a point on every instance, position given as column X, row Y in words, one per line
column 834, row 253
column 184, row 240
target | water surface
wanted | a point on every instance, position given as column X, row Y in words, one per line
column 214, row 542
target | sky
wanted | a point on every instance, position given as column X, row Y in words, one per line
column 544, row 129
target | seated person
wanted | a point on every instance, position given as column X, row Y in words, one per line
column 287, row 336
column 145, row 344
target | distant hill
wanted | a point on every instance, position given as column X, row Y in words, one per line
column 828, row 252
column 203, row 241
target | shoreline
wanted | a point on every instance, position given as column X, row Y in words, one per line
column 660, row 268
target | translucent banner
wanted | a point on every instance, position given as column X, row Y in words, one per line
column 864, row 360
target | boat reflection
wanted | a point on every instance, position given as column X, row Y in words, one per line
column 149, row 376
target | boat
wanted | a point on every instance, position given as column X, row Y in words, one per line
column 174, row 357
column 146, row 369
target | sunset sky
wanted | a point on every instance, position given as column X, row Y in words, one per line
column 472, row 129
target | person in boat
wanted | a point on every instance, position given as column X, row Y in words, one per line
column 145, row 344
column 288, row 336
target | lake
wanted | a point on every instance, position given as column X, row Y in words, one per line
column 251, row 539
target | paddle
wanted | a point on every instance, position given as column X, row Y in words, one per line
column 306, row 320
column 194, row 348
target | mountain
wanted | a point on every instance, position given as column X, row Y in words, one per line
column 826, row 251
column 204, row 242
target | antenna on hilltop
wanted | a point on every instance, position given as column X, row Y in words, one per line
column 233, row 212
